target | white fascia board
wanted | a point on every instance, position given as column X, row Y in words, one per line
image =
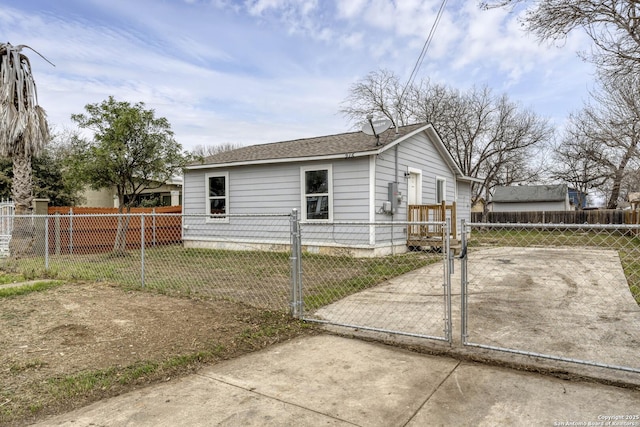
column 283, row 160
column 465, row 178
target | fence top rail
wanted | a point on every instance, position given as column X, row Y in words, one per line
column 433, row 223
column 557, row 225
column 148, row 214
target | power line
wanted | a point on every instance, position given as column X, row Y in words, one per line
column 425, row 48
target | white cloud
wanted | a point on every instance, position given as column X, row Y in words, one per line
column 265, row 70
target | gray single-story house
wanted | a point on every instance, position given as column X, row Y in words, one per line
column 345, row 177
column 531, row 198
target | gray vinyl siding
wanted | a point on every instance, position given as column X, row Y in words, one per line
column 276, row 189
column 419, row 153
column 273, row 189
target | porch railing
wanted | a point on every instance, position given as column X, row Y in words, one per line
column 422, row 235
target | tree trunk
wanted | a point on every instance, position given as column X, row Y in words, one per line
column 120, row 243
column 23, row 234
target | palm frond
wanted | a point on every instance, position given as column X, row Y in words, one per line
column 24, row 129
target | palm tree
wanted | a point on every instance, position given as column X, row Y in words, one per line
column 23, row 123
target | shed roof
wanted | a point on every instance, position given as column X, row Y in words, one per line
column 530, row 193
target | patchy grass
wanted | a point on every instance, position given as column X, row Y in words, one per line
column 171, row 337
column 259, row 278
column 319, row 293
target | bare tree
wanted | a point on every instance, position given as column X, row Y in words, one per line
column 211, row 150
column 612, row 25
column 608, row 131
column 575, row 164
column 488, row 136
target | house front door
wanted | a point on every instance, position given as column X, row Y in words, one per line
column 414, row 190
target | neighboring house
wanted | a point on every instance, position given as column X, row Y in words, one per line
column 479, row 205
column 531, row 198
column 344, row 177
column 168, row 194
column 634, row 200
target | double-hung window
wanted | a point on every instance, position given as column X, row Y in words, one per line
column 217, row 200
column 317, row 197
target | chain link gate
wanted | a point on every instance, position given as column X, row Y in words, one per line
column 357, row 282
column 563, row 292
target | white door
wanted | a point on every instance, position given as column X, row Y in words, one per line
column 414, row 190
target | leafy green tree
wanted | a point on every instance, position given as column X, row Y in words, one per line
column 50, row 178
column 131, row 150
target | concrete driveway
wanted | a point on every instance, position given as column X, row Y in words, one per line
column 568, row 302
column 335, row 381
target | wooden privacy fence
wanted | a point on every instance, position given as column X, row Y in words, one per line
column 93, row 230
column 597, row 216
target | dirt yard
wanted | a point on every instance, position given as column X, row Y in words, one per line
column 80, row 342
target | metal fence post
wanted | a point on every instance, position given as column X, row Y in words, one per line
column 295, row 230
column 70, row 231
column 142, row 249
column 153, row 221
column 57, row 232
column 299, row 269
column 463, row 284
column 447, row 282
column 46, row 242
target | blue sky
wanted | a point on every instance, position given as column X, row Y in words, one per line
column 269, row 70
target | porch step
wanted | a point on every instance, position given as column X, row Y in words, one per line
column 426, row 243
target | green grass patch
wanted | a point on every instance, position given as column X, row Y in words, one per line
column 29, row 288
column 369, row 272
column 6, row 278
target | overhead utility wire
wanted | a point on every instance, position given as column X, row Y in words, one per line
column 425, row 47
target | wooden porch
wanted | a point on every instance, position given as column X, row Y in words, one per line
column 431, row 235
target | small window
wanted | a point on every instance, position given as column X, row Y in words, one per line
column 316, row 198
column 217, row 195
column 441, row 190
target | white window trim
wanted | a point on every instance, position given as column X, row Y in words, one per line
column 444, row 188
column 226, row 195
column 303, row 188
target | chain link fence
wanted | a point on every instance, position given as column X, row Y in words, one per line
column 267, row 261
column 386, row 289
column 166, row 253
column 556, row 291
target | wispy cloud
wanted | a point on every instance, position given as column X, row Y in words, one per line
column 266, row 70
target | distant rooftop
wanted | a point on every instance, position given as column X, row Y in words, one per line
column 530, row 193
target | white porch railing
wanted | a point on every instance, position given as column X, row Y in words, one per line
column 7, row 210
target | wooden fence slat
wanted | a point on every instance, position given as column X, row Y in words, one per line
column 599, row 216
column 85, row 235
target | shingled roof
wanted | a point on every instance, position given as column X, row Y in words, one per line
column 530, row 193
column 340, row 144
